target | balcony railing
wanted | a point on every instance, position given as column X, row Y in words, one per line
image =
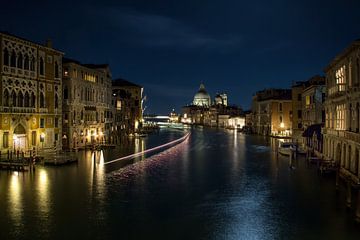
column 352, row 136
column 17, row 109
column 339, row 89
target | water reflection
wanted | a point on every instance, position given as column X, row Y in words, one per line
column 15, row 199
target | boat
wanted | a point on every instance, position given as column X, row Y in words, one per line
column 285, row 148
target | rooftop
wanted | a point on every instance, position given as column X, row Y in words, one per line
column 122, row 82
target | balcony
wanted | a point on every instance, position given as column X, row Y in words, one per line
column 17, row 110
column 352, row 136
column 337, row 90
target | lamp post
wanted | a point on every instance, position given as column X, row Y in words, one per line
column 42, row 138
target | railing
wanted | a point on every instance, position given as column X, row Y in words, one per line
column 352, row 136
column 17, row 109
column 339, row 89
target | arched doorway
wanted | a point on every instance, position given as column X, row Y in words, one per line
column 19, row 138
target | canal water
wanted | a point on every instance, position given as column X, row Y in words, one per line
column 216, row 185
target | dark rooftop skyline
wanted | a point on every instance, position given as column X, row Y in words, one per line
column 170, row 47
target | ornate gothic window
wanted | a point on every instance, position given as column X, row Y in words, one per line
column 6, row 57
column 13, row 59
column 33, row 100
column 27, row 100
column 20, row 99
column 26, row 62
column 56, row 101
column 20, row 61
column 41, row 70
column 13, row 98
column 32, row 64
column 42, row 100
column 6, row 98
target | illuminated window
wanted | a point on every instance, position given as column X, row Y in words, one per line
column 6, row 140
column 340, row 78
column 340, row 117
column 33, row 138
column 307, row 100
column 118, row 105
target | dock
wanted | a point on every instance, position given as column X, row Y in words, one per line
column 14, row 165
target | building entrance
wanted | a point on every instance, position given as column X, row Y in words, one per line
column 19, row 138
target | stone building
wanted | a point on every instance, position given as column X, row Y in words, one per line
column 272, row 112
column 31, row 95
column 87, row 104
column 297, row 126
column 221, row 99
column 342, row 108
column 202, row 98
column 127, row 101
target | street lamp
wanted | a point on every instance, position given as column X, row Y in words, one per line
column 42, row 138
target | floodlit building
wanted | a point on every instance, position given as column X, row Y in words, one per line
column 31, row 95
column 342, row 108
column 128, row 111
column 219, row 114
column 221, row 99
column 272, row 110
column 87, row 104
column 202, row 98
column 297, row 110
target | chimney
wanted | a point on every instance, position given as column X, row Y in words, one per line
column 49, row 43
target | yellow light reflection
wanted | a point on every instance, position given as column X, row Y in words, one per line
column 43, row 192
column 15, row 201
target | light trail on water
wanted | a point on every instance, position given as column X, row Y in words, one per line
column 150, row 150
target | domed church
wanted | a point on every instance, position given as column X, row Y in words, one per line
column 202, row 98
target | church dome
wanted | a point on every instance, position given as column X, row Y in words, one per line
column 202, row 98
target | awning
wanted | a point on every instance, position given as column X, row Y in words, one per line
column 310, row 130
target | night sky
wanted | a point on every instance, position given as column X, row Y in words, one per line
column 170, row 47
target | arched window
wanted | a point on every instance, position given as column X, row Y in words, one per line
column 66, row 93
column 20, row 61
column 13, row 59
column 42, row 100
column 32, row 64
column 20, row 99
column 6, row 57
column 26, row 62
column 56, row 101
column 33, row 100
column 6, row 98
column 56, row 70
column 27, row 100
column 13, row 98
column 41, row 70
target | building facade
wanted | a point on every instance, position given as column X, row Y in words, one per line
column 86, row 105
column 31, row 95
column 127, row 101
column 342, row 108
column 272, row 112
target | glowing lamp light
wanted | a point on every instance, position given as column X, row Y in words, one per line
column 282, row 125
